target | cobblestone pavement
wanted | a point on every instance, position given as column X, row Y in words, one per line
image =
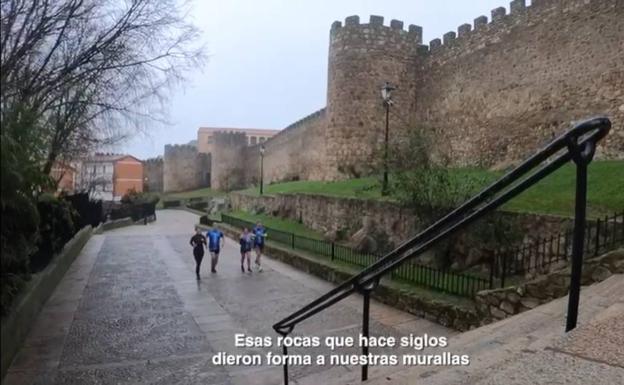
column 130, row 311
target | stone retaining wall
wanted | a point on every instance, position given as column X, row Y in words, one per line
column 340, row 218
column 493, row 305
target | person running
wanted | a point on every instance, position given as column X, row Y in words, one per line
column 246, row 241
column 198, row 241
column 259, row 233
column 216, row 240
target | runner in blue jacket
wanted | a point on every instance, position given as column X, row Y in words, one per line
column 216, row 240
column 260, row 234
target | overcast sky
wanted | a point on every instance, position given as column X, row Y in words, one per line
column 267, row 63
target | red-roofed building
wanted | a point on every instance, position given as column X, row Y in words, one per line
column 110, row 176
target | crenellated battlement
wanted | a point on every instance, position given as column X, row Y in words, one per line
column 374, row 34
column 175, row 149
column 488, row 30
column 230, row 139
column 155, row 160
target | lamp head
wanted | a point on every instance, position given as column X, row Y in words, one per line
column 386, row 92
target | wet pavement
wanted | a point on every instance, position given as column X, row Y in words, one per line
column 130, row 311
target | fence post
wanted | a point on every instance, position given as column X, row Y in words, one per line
column 597, row 237
column 292, row 237
column 492, row 271
column 333, row 250
column 503, row 272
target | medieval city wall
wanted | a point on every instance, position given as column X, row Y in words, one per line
column 296, row 153
column 228, row 161
column 495, row 92
column 184, row 168
column 490, row 93
column 153, row 172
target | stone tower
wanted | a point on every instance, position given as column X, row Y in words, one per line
column 361, row 58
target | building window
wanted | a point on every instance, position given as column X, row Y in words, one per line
column 210, row 141
column 262, row 140
column 254, row 140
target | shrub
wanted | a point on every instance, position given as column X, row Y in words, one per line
column 57, row 225
column 90, row 212
column 19, row 238
column 135, row 198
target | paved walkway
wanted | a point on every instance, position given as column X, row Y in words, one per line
column 130, row 311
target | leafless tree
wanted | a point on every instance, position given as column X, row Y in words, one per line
column 77, row 74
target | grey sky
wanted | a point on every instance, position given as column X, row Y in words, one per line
column 267, row 62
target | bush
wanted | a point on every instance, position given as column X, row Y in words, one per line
column 19, row 239
column 89, row 211
column 57, row 225
column 136, row 198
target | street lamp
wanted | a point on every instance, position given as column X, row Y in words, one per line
column 386, row 95
column 262, row 149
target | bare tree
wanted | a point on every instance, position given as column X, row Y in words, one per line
column 77, row 74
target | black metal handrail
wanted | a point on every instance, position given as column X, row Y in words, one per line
column 580, row 145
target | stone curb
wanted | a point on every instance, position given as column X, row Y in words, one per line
column 117, row 223
column 389, row 293
column 16, row 325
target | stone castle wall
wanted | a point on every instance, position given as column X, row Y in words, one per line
column 184, row 168
column 498, row 92
column 153, row 171
column 229, row 168
column 296, row 153
column 491, row 93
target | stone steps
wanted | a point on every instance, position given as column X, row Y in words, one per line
column 535, row 337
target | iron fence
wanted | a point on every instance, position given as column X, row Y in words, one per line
column 543, row 255
column 412, row 273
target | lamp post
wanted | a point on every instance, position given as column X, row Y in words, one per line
column 262, row 149
column 386, row 95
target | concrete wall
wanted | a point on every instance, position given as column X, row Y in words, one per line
column 26, row 307
column 153, row 169
column 184, row 168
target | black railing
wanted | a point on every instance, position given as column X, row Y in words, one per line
column 456, row 283
column 541, row 256
column 577, row 144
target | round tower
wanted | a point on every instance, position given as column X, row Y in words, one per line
column 362, row 57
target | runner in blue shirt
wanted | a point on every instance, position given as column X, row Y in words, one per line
column 259, row 233
column 246, row 244
column 216, row 241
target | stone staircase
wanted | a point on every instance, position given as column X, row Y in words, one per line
column 528, row 348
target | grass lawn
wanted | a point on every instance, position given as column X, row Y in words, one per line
column 278, row 224
column 554, row 195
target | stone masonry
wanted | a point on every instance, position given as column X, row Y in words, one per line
column 493, row 305
column 185, row 169
column 491, row 93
